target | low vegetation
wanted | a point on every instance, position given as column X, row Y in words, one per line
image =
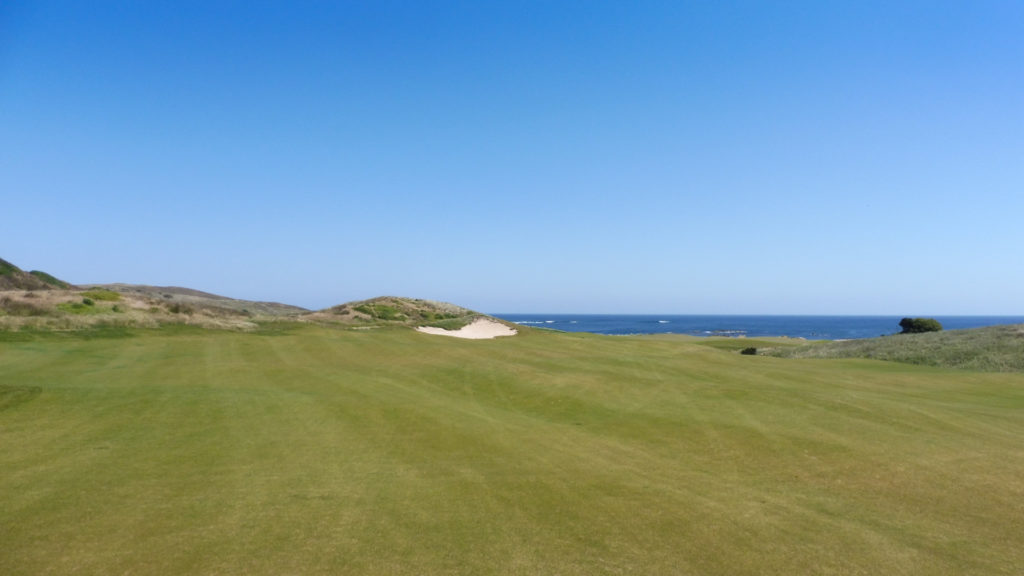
column 102, row 294
column 20, row 307
column 50, row 280
column 202, row 301
column 393, row 310
column 7, row 269
column 86, row 306
column 989, row 349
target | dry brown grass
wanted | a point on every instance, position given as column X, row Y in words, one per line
column 48, row 310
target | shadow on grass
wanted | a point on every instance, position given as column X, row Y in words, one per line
column 11, row 396
column 99, row 331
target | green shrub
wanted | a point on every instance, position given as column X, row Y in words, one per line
column 749, row 351
column 88, row 302
column 919, row 325
column 380, row 311
column 79, row 307
column 6, row 268
column 449, row 323
column 385, row 312
column 48, row 279
column 100, row 294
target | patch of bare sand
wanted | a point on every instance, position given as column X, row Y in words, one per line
column 479, row 329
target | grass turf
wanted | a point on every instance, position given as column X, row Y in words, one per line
column 315, row 450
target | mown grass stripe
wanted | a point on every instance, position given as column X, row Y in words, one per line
column 390, row 452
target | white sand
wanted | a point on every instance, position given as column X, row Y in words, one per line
column 479, row 329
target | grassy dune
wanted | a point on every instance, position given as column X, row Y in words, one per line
column 311, row 450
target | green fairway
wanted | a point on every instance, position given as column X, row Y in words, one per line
column 313, row 450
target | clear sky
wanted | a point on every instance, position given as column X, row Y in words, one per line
column 664, row 157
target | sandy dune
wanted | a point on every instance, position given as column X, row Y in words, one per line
column 479, row 329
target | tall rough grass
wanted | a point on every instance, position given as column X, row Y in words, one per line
column 991, row 349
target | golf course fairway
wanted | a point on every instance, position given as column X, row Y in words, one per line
column 317, row 450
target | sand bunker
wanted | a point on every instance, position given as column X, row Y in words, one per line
column 479, row 329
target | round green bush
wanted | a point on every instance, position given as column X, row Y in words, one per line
column 919, row 325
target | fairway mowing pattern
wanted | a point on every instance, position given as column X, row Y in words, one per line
column 323, row 451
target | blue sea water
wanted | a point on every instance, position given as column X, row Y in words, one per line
column 810, row 327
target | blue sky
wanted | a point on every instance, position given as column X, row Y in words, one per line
column 664, row 157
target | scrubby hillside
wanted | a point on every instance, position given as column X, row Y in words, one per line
column 990, row 349
column 203, row 300
column 82, row 309
column 14, row 278
column 37, row 300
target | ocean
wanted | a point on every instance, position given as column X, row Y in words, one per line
column 810, row 327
